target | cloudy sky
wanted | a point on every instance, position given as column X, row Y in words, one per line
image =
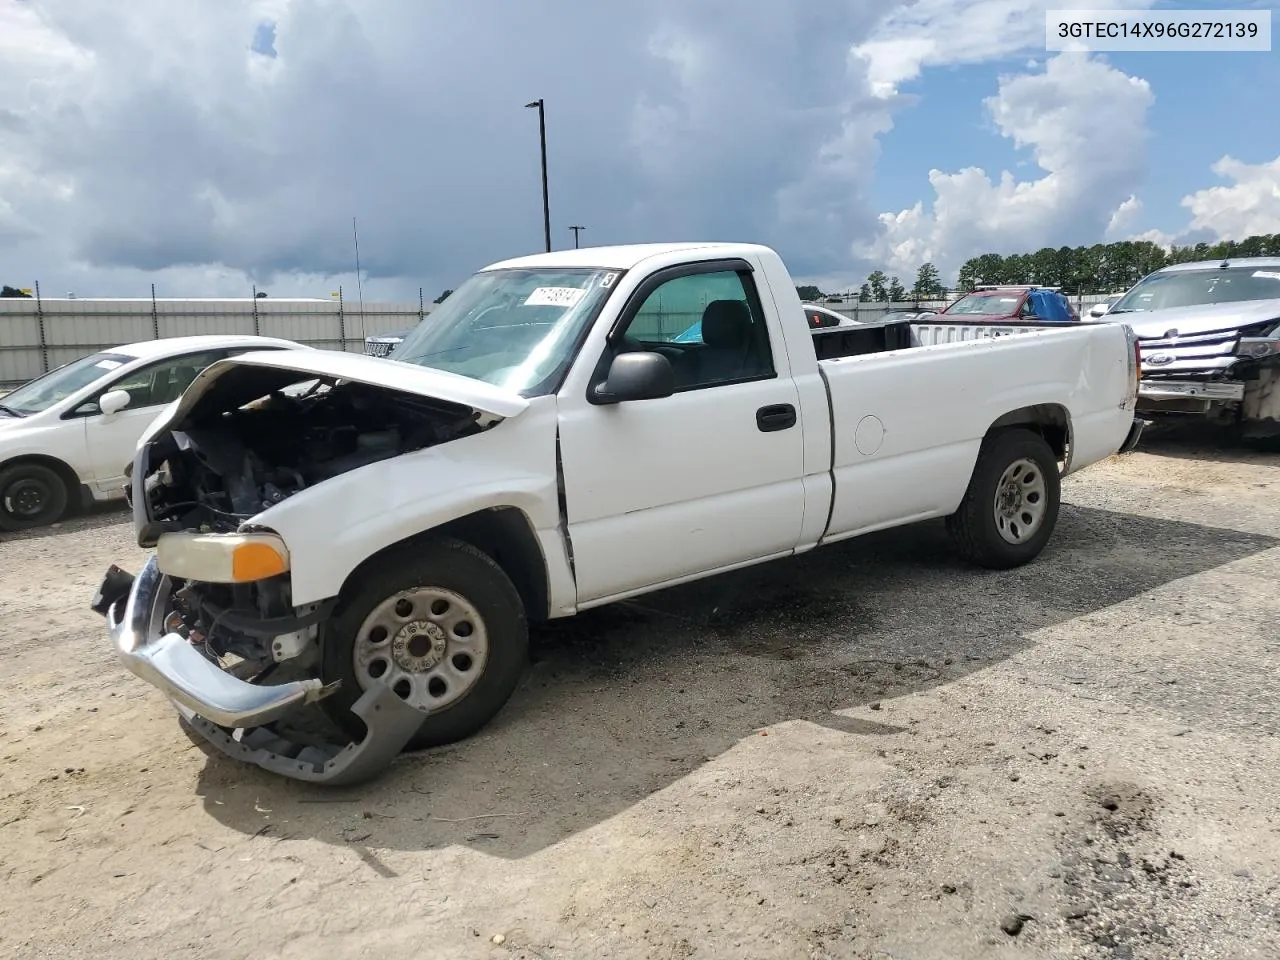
column 205, row 146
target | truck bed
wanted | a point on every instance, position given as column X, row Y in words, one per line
column 834, row 343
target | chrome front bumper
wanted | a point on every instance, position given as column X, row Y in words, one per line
column 1190, row 390
column 170, row 663
column 232, row 714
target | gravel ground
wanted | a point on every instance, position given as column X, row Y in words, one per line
column 872, row 751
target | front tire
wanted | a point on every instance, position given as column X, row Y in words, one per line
column 1011, row 506
column 31, row 495
column 440, row 623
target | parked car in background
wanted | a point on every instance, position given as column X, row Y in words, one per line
column 382, row 344
column 1209, row 332
column 66, row 437
column 390, row 535
column 822, row 317
column 995, row 304
column 908, row 315
column 1101, row 308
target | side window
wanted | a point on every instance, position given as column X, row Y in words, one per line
column 162, row 382
column 709, row 325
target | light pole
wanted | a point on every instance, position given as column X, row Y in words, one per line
column 542, row 135
column 576, row 231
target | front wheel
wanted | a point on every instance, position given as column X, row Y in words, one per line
column 31, row 495
column 443, row 626
column 1011, row 507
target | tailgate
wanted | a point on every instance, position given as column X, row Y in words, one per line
column 933, row 331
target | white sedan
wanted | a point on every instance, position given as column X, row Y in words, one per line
column 66, row 437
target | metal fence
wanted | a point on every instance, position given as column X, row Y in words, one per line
column 39, row 334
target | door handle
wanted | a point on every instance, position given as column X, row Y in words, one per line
column 776, row 416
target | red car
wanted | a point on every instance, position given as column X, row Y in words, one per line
column 1004, row 303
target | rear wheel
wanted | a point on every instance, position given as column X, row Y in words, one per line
column 31, row 495
column 1011, row 506
column 443, row 626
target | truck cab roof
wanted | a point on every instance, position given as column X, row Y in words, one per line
column 627, row 256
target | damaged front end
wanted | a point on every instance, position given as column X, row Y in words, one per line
column 210, row 620
column 227, row 458
column 228, row 701
column 1230, row 375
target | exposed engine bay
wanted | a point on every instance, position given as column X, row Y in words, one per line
column 219, row 466
column 254, row 438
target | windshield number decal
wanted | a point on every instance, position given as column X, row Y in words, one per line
column 554, row 297
column 607, row 279
column 1267, row 274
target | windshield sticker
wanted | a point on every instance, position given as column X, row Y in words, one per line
column 554, row 297
column 1267, row 274
column 107, row 364
column 607, row 279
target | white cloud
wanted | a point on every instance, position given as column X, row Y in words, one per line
column 154, row 142
column 1085, row 124
column 1124, row 218
column 1247, row 207
column 148, row 141
column 931, row 33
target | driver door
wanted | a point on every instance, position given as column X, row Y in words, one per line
column 110, row 440
column 706, row 479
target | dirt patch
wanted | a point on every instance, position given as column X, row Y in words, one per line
column 871, row 750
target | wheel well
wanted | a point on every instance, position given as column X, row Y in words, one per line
column 63, row 470
column 507, row 537
column 1050, row 420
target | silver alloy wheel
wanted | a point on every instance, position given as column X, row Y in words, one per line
column 428, row 644
column 1020, row 501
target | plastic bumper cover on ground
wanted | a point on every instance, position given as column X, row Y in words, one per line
column 232, row 714
column 1135, row 433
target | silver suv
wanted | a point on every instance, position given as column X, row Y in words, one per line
column 1209, row 333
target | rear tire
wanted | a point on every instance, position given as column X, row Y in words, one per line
column 443, row 625
column 1011, row 506
column 31, row 495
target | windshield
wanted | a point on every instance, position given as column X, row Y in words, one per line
column 515, row 328
column 1194, row 288
column 1001, row 304
column 56, row 385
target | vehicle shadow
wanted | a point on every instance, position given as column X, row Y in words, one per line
column 622, row 701
column 1217, row 443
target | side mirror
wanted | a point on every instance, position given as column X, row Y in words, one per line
column 113, row 401
column 1098, row 309
column 639, row 375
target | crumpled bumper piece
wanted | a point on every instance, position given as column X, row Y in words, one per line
column 232, row 714
column 389, row 723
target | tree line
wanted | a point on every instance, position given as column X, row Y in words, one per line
column 880, row 288
column 1100, row 268
column 1103, row 267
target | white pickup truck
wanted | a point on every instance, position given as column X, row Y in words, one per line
column 566, row 430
